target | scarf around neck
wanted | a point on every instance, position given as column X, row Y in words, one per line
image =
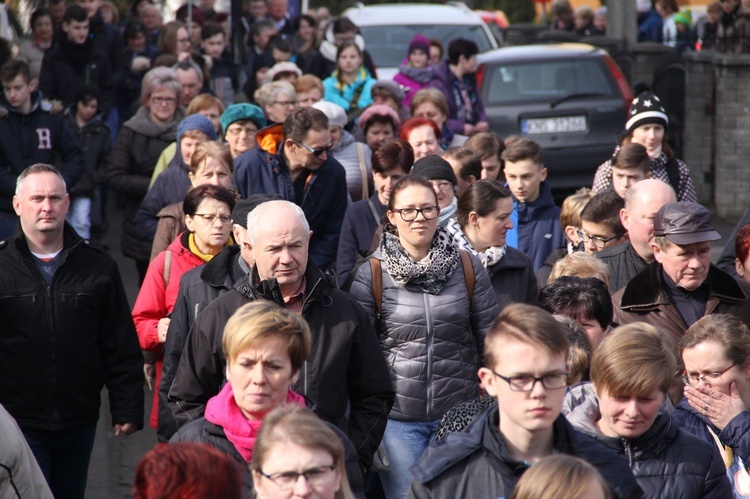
column 420, row 75
column 222, row 410
column 447, row 213
column 489, row 257
column 428, row 275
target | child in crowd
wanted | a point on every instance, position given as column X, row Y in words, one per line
column 630, row 164
column 350, row 84
column 538, row 232
column 489, row 146
column 601, row 226
column 416, row 70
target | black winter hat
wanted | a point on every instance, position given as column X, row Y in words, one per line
column 244, row 206
column 646, row 108
column 434, row 168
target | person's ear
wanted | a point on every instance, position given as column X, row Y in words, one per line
column 294, row 379
column 543, row 174
column 17, row 205
column 189, row 223
column 625, row 218
column 473, row 218
column 737, row 263
column 471, row 179
column 391, row 216
column 488, row 381
column 33, row 84
column 571, row 233
column 191, row 176
column 658, row 253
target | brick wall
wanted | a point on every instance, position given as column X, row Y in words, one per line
column 698, row 135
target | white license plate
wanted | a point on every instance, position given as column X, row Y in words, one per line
column 554, row 125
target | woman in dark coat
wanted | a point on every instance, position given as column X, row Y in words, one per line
column 139, row 144
column 482, row 220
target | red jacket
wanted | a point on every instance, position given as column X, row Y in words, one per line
column 156, row 301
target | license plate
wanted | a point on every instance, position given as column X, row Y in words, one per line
column 554, row 125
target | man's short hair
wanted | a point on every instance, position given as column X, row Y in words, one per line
column 38, row 168
column 528, row 324
column 261, row 26
column 570, row 213
column 520, row 149
column 302, row 120
column 14, row 68
column 632, row 156
column 268, row 209
column 471, row 164
column 344, row 25
column 634, row 359
column 211, row 29
column 75, row 12
column 187, row 65
column 580, row 264
column 578, row 298
column 486, row 144
column 461, row 47
column 604, row 208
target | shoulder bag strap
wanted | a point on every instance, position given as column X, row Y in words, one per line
column 377, row 284
column 468, row 273
column 362, row 168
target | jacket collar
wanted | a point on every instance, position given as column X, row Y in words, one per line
column 216, row 270
column 645, row 290
column 71, row 239
column 317, row 287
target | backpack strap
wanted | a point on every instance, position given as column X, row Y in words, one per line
column 377, row 285
column 362, row 169
column 167, row 268
column 468, row 273
column 373, row 211
column 673, row 173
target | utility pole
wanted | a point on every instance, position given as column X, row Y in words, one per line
column 621, row 21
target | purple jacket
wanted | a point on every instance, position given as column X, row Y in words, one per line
column 412, row 80
column 443, row 81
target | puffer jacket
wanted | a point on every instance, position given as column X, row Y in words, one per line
column 432, row 343
column 347, row 153
column 156, row 301
column 477, row 463
column 666, row 461
column 343, row 95
column 131, row 163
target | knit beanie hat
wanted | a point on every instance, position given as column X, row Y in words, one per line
column 244, row 206
column 434, row 168
column 419, row 42
column 242, row 112
column 683, row 17
column 646, row 108
column 335, row 113
column 391, row 87
column 379, row 110
column 196, row 122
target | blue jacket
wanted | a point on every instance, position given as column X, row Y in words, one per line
column 37, row 137
column 537, row 230
column 263, row 170
column 477, row 463
column 650, row 29
column 343, row 96
column 357, row 232
column 169, row 187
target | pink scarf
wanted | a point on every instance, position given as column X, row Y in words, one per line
column 222, row 410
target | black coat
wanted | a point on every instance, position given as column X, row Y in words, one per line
column 624, row 264
column 198, row 287
column 477, row 463
column 61, row 343
column 345, row 373
column 94, row 138
column 513, row 279
column 202, row 431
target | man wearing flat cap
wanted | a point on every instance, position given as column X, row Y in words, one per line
column 682, row 285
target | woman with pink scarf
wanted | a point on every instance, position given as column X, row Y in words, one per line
column 265, row 347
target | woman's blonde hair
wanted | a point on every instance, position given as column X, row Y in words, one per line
column 211, row 150
column 580, row 264
column 263, row 319
column 266, row 94
column 559, row 477
column 299, row 425
column 201, row 102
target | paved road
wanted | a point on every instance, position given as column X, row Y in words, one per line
column 114, row 460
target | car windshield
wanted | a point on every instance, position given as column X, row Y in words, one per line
column 388, row 45
column 544, row 81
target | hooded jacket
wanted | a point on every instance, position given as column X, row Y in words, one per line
column 131, row 163
column 62, row 342
column 477, row 463
column 342, row 376
column 644, row 299
column 94, row 139
column 666, row 460
column 263, row 170
column 40, row 136
column 433, row 344
column 538, row 226
column 443, row 81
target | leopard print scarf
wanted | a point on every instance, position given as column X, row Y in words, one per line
column 428, row 275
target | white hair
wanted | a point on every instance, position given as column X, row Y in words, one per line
column 271, row 209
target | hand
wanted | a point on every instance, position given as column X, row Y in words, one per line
column 184, row 56
column 162, row 328
column 125, row 429
column 468, row 129
column 717, row 407
column 482, row 126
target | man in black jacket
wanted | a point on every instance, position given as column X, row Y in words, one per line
column 67, row 332
column 345, row 376
column 526, row 356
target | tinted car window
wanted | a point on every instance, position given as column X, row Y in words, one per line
column 388, row 45
column 545, row 81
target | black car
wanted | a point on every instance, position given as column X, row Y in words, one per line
column 572, row 99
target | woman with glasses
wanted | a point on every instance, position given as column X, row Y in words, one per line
column 265, row 346
column 298, row 455
column 480, row 226
column 277, row 99
column 625, row 408
column 138, row 145
column 431, row 304
column 207, row 209
column 716, row 355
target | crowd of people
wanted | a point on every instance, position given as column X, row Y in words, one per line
column 348, row 287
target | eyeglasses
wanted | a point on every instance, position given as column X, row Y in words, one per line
column 235, row 131
column 183, row 41
column 410, row 214
column 599, row 242
column 286, row 103
column 163, row 101
column 553, row 381
column 212, row 218
column 316, row 152
column 442, row 185
column 693, row 379
column 314, row 476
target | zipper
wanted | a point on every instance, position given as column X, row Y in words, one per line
column 628, row 452
column 428, row 319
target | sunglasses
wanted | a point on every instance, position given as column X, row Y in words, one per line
column 316, row 152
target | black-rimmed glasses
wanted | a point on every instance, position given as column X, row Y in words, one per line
column 599, row 242
column 314, row 476
column 553, row 381
column 410, row 214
